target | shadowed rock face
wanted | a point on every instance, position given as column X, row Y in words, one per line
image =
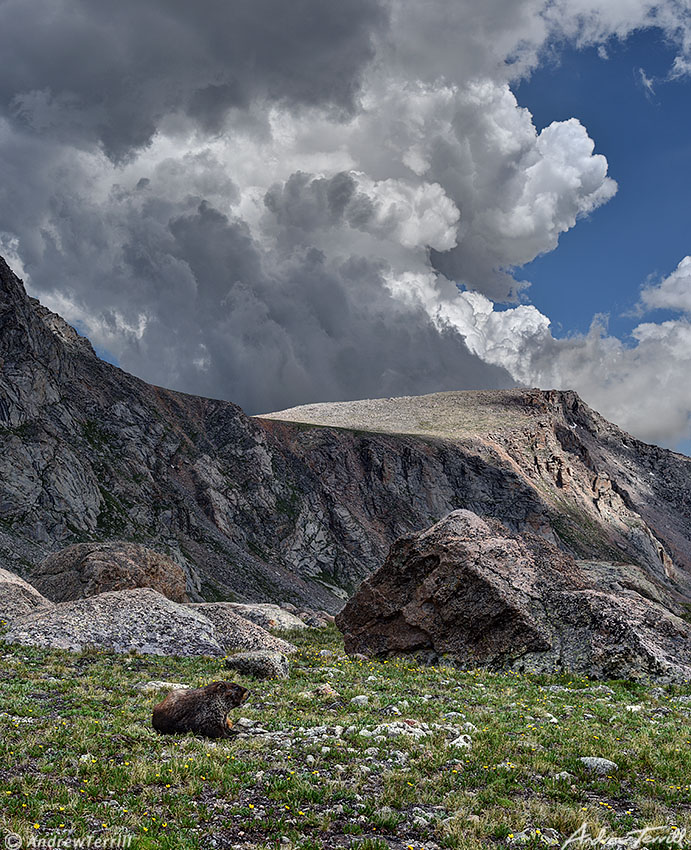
column 86, row 569
column 471, row 592
column 264, row 509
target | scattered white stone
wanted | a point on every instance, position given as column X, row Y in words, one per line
column 548, row 837
column 633, row 709
column 363, row 699
column 463, row 741
column 152, row 687
column 565, row 775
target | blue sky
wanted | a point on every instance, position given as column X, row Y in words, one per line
column 645, row 133
column 644, row 230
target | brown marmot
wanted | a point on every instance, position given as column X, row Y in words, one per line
column 203, row 711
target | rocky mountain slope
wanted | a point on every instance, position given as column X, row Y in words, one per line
column 303, row 504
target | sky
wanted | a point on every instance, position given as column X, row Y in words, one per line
column 284, row 203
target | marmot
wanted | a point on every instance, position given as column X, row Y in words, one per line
column 203, row 711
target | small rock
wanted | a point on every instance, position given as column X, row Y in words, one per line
column 326, row 653
column 565, row 775
column 326, row 690
column 363, row 699
column 262, row 664
column 602, row 767
column 463, row 741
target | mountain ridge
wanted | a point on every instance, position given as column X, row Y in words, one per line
column 260, row 508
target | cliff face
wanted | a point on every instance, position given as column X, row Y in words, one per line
column 267, row 508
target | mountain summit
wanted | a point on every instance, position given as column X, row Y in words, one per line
column 301, row 505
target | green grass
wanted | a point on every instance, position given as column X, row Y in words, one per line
column 78, row 756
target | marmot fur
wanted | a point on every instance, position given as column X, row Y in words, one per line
column 203, row 711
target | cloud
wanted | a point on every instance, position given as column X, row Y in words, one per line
column 672, row 293
column 97, row 72
column 642, row 384
column 413, row 215
column 647, row 83
column 280, row 203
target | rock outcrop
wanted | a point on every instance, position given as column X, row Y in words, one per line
column 472, row 593
column 18, row 598
column 123, row 621
column 87, row 569
column 265, row 509
column 137, row 620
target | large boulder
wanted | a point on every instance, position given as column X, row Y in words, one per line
column 87, row 569
column 140, row 620
column 470, row 592
column 234, row 632
column 18, row 597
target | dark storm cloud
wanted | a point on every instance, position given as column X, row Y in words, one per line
column 195, row 302
column 335, row 331
column 97, row 70
column 307, row 203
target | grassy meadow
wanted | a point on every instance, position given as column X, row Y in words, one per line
column 79, row 759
